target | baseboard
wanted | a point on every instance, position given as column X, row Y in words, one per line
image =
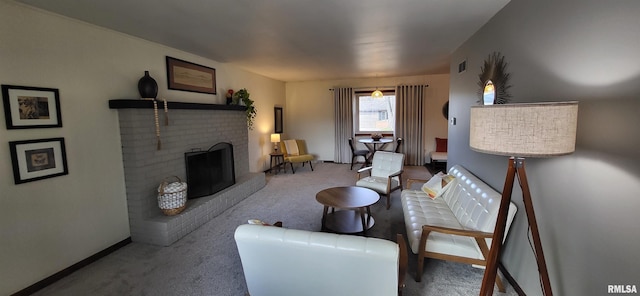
column 511, row 280
column 71, row 269
column 315, row 161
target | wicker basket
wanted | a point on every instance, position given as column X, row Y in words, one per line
column 172, row 196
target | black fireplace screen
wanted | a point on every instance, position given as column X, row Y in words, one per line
column 209, row 171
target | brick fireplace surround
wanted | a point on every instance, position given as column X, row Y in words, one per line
column 191, row 126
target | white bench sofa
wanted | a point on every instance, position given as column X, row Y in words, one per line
column 438, row 157
column 280, row 261
column 456, row 226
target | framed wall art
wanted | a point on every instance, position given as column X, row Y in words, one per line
column 31, row 107
column 183, row 75
column 38, row 159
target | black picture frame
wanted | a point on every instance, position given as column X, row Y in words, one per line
column 277, row 115
column 187, row 76
column 38, row 159
column 31, row 107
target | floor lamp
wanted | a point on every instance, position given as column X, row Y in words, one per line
column 519, row 131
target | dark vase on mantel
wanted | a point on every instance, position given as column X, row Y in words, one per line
column 147, row 87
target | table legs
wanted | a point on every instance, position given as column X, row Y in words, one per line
column 342, row 219
column 372, row 150
column 324, row 217
column 364, row 223
column 275, row 162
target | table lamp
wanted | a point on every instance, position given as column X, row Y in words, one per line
column 275, row 138
column 519, row 131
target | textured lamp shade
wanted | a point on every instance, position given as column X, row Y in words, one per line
column 524, row 130
column 377, row 94
column 275, row 138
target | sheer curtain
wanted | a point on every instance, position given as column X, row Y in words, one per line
column 410, row 122
column 343, row 101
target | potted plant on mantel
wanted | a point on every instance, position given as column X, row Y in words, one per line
column 242, row 96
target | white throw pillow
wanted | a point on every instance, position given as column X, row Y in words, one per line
column 437, row 185
column 292, row 147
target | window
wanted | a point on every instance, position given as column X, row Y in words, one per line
column 375, row 115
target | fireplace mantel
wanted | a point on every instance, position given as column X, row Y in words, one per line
column 148, row 104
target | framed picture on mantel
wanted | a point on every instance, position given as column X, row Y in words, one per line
column 183, row 75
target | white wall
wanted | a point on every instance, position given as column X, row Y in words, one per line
column 309, row 112
column 586, row 203
column 51, row 224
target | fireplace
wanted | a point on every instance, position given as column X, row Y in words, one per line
column 190, row 125
column 209, row 171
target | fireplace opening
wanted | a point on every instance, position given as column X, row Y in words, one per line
column 209, row 171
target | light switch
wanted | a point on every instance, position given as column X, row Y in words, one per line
column 453, row 121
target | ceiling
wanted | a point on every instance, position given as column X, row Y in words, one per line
column 298, row 40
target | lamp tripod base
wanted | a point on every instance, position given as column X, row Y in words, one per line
column 516, row 167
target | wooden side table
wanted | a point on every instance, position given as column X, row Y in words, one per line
column 276, row 161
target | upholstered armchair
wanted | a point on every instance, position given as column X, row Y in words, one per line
column 385, row 174
column 281, row 261
column 295, row 151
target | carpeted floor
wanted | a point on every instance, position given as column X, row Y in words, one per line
column 206, row 262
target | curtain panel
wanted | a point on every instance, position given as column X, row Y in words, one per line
column 410, row 122
column 343, row 116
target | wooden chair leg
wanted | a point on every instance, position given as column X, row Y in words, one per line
column 388, row 201
column 402, row 265
column 501, row 286
column 292, row 169
column 310, row 165
column 420, row 267
column 421, row 253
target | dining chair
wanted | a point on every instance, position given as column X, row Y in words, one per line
column 355, row 153
column 398, row 143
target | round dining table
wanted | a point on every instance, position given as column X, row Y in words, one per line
column 374, row 145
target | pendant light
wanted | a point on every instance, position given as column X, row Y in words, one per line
column 377, row 94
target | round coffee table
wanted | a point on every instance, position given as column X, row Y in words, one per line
column 353, row 201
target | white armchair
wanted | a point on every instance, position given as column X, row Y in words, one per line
column 385, row 174
column 280, row 261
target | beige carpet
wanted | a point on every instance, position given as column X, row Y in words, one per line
column 206, row 262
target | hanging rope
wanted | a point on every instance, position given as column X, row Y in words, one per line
column 166, row 112
column 155, row 115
